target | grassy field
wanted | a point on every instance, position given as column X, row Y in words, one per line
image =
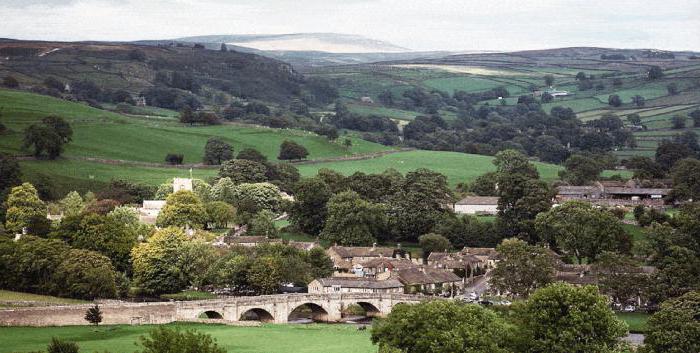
column 10, row 296
column 264, row 339
column 458, row 167
column 637, row 322
column 103, row 134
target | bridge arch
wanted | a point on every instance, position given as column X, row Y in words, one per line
column 308, row 310
column 210, row 314
column 257, row 314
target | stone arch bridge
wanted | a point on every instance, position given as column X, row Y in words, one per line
column 267, row 308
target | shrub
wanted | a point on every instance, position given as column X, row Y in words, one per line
column 174, row 159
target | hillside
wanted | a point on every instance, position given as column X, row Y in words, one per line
column 109, row 146
column 622, row 73
column 180, row 72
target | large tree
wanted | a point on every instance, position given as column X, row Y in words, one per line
column 292, row 150
column 22, row 205
column 353, row 221
column 49, row 136
column 621, row 277
column 676, row 327
column 419, row 204
column 523, row 268
column 86, row 274
column 156, row 262
column 582, row 230
column 432, row 242
column 243, row 171
column 686, row 180
column 520, row 200
column 309, row 211
column 561, row 318
column 580, row 170
column 106, row 235
column 441, row 327
column 182, row 208
column 216, row 151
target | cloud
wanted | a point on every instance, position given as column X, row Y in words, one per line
column 416, row 24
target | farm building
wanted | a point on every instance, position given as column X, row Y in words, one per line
column 477, row 205
column 354, row 285
column 614, row 194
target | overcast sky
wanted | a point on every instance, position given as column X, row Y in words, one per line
column 414, row 24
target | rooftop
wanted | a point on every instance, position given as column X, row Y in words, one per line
column 478, row 200
column 359, row 251
column 360, row 282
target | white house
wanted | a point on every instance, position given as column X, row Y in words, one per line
column 477, row 205
column 354, row 285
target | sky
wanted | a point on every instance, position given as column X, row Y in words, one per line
column 456, row 25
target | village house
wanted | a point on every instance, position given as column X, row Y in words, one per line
column 374, row 267
column 354, row 285
column 466, row 266
column 428, row 280
column 249, row 241
column 488, row 256
column 486, row 205
column 345, row 257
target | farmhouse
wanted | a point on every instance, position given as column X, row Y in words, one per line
column 614, row 194
column 477, row 205
column 428, row 280
column 345, row 257
column 354, row 285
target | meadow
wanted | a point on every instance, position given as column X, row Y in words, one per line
column 314, row 338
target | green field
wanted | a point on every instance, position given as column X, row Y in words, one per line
column 103, row 134
column 637, row 322
column 7, row 296
column 458, row 167
column 317, row 338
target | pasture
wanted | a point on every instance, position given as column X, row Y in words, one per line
column 315, row 338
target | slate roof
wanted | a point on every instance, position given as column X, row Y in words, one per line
column 636, row 191
column 358, row 251
column 415, row 275
column 577, row 190
column 388, row 262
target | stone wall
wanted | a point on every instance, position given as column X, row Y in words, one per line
column 112, row 314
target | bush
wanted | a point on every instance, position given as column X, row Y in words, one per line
column 10, row 82
column 174, row 159
column 59, row 346
column 165, row 340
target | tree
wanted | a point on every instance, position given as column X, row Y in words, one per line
column 582, row 230
column 514, row 162
column 678, row 121
column 668, row 153
column 418, row 204
column 580, row 76
column 484, row 185
column 93, row 315
column 196, row 258
column 59, row 346
column 10, row 174
column 187, row 116
column 548, row 80
column 645, row 168
column 547, row 97
column 672, row 88
column 265, row 274
column 291, row 150
column 469, row 231
column 50, row 136
column 675, row 328
column 686, row 184
column 695, row 115
column 256, row 197
column 166, row 340
column 550, row 149
column 22, row 205
column 251, row 154
column 86, row 274
column 522, row 269
column 223, row 48
column 520, row 200
column 72, row 204
column 263, row 224
column 220, row 213
column 182, row 209
column 561, row 318
column 174, row 158
column 441, row 327
column 432, row 242
column 10, row 82
column 580, row 170
column 655, row 73
column 243, row 171
column 639, row 101
column 308, row 213
column 620, row 277
column 216, row 151
column 634, row 119
column 353, row 221
column 614, row 100
column 156, row 262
